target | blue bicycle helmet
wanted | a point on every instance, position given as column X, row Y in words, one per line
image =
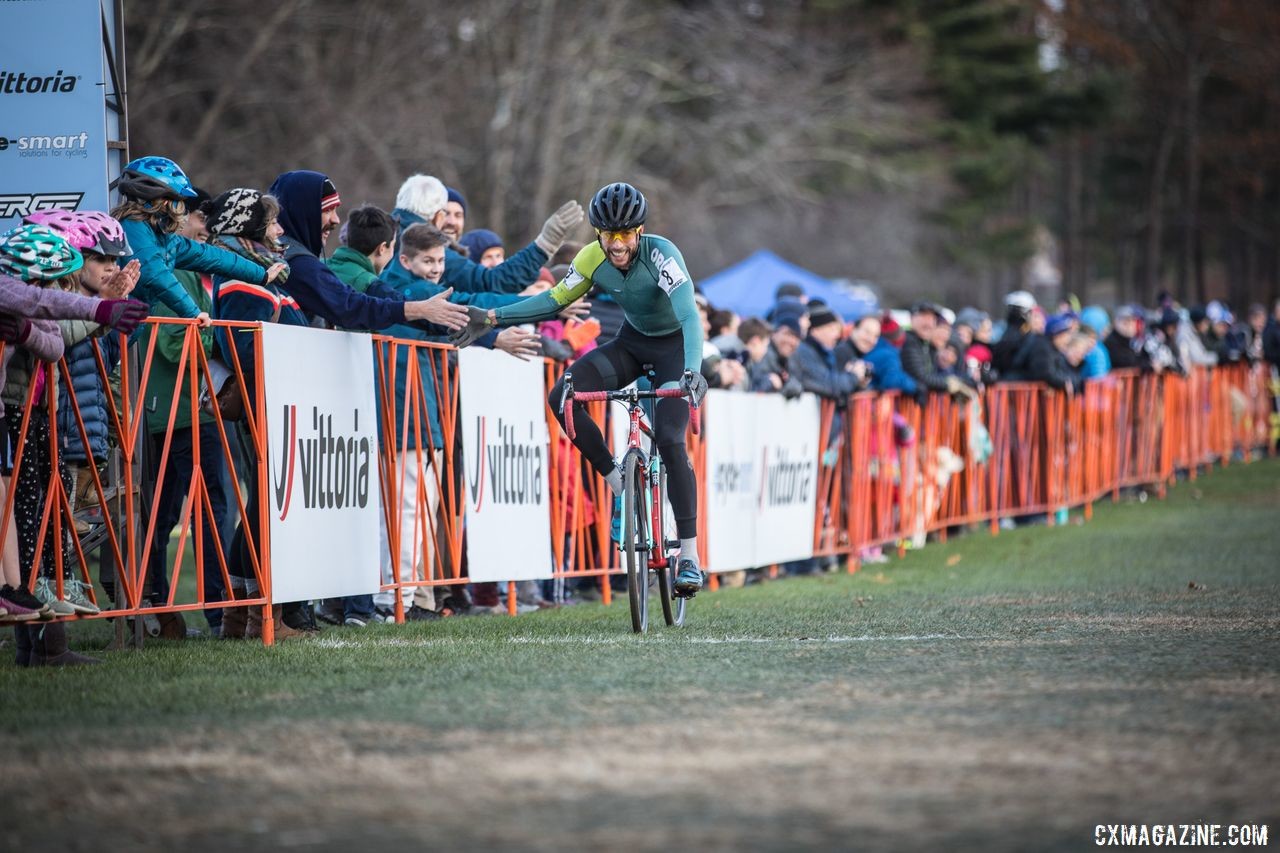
column 617, row 207
column 152, row 178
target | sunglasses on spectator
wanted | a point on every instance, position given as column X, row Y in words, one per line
column 622, row 236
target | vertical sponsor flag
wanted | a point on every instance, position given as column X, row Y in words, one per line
column 53, row 140
column 504, row 455
column 322, row 485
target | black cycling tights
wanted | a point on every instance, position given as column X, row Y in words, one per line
column 616, row 365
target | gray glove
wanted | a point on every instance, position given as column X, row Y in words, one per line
column 478, row 325
column 694, row 384
column 558, row 226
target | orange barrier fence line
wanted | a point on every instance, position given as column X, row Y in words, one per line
column 1047, row 451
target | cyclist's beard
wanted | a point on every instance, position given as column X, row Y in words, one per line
column 627, row 259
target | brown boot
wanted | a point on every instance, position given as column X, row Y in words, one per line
column 233, row 622
column 253, row 628
column 172, row 626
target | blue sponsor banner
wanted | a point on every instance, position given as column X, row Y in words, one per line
column 53, row 138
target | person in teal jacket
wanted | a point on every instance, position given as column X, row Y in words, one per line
column 154, row 190
column 422, row 198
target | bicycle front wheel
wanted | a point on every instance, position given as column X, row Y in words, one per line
column 635, row 540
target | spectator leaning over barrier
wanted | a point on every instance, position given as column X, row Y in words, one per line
column 101, row 242
column 308, row 214
column 1097, row 361
column 370, row 245
column 1019, row 308
column 163, row 383
column 484, row 247
column 773, row 372
column 422, row 198
column 1123, row 346
column 422, row 252
column 862, row 340
column 1191, row 349
column 454, row 222
column 246, row 222
column 885, row 359
column 815, row 360
column 38, row 256
column 754, row 334
column 1043, row 358
column 1162, row 342
column 919, row 357
column 1271, row 336
column 154, row 192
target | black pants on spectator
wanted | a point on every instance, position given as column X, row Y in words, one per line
column 173, row 492
column 615, row 365
column 30, row 486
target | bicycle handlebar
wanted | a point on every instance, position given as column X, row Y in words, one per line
column 627, row 395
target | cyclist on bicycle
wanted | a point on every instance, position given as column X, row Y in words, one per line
column 646, row 275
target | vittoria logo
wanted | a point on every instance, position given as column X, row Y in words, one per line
column 22, row 83
column 786, row 481
column 24, row 204
column 512, row 468
column 330, row 468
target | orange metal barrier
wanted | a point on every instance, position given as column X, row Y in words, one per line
column 127, row 532
column 1020, row 449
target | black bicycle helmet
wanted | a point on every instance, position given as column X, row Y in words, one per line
column 616, row 207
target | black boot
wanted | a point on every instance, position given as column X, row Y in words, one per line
column 22, row 644
column 49, row 647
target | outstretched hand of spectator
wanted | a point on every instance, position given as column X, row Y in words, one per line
column 519, row 342
column 122, row 282
column 273, row 271
column 957, row 388
column 478, row 324
column 439, row 310
column 579, row 310
column 558, row 226
column 123, row 315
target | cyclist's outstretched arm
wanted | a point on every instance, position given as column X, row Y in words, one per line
column 545, row 305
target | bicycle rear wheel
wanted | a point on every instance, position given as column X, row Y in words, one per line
column 635, row 539
column 672, row 606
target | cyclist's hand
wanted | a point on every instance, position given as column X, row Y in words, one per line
column 519, row 342
column 557, row 227
column 439, row 310
column 477, row 325
column 694, row 384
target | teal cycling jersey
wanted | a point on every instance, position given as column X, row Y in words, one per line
column 656, row 293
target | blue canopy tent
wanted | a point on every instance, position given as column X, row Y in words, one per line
column 748, row 286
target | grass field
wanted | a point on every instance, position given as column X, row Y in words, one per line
column 999, row 694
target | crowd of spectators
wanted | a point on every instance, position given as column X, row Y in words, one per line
column 248, row 254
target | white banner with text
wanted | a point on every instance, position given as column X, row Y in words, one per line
column 322, row 438
column 503, row 421
column 762, row 462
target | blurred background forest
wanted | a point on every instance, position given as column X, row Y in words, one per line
column 954, row 149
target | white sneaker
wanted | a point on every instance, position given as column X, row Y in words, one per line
column 48, row 595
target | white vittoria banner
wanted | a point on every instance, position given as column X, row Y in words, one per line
column 503, row 421
column 53, row 140
column 762, row 463
column 322, row 439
